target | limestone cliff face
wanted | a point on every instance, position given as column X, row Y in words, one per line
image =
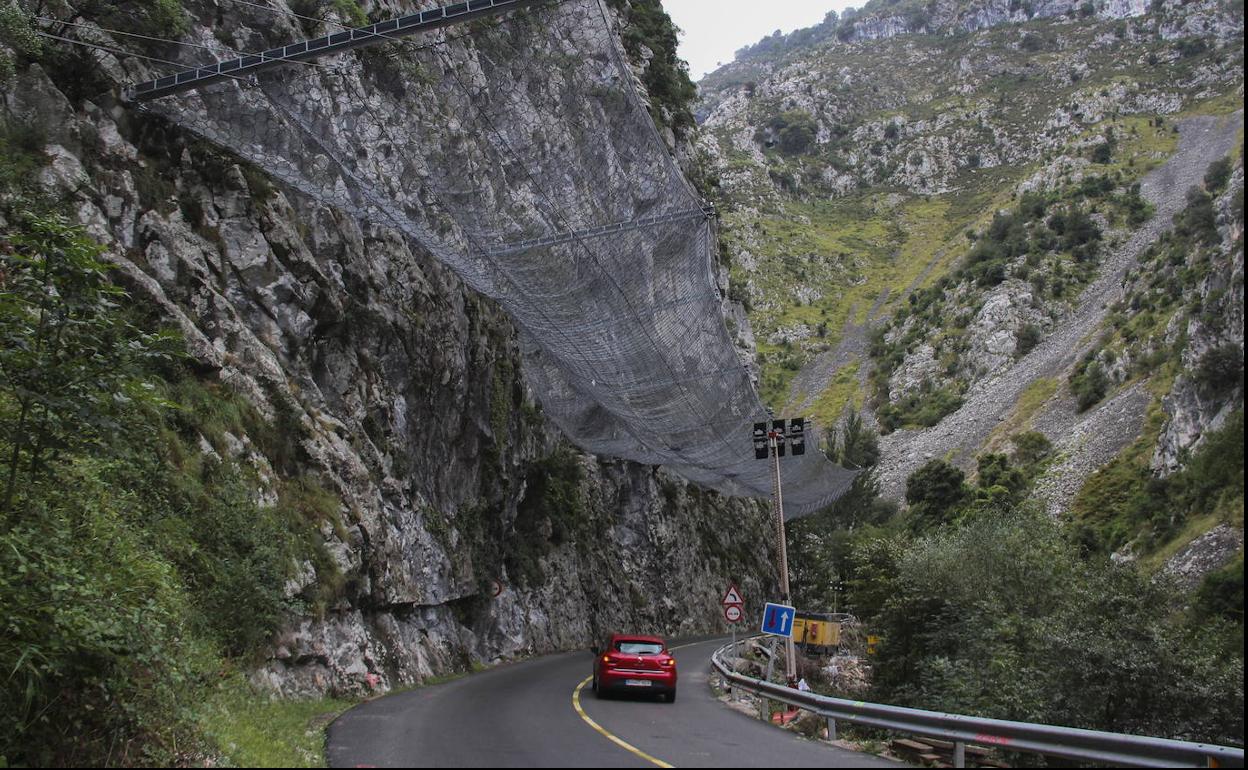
column 1206, row 393
column 471, row 531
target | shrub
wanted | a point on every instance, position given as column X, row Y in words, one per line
column 795, row 131
column 666, row 76
column 1028, row 338
column 1197, row 222
column 131, row 559
column 1218, row 174
column 995, row 471
column 1220, row 370
column 934, row 491
column 71, row 363
column 1221, row 594
column 999, row 618
column 1031, row 448
column 1089, row 383
column 1033, row 43
column 856, row 446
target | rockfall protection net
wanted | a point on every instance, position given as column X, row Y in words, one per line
column 517, row 151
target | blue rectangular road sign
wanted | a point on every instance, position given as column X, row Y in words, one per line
column 778, row 620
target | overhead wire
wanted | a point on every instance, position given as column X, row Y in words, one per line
column 167, row 41
column 110, row 49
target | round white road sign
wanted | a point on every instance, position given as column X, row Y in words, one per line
column 732, row 613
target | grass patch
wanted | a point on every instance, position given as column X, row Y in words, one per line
column 850, row 253
column 1035, row 396
column 842, row 392
column 1124, row 503
column 252, row 730
column 1194, row 528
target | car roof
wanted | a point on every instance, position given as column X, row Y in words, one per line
column 638, row 638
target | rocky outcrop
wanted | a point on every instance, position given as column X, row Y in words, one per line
column 399, row 390
column 1206, row 554
column 1021, row 90
column 1205, row 394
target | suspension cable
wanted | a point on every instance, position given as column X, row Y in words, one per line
column 211, row 49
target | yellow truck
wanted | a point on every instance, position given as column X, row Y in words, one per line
column 818, row 633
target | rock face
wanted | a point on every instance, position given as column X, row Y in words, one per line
column 1204, row 396
column 402, row 392
column 1204, row 555
column 1002, row 84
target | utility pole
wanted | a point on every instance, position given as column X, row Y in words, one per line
column 771, row 443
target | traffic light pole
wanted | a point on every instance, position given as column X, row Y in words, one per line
column 790, row 666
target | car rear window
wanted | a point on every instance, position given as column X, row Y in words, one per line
column 632, row 647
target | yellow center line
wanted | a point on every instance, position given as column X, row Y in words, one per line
column 576, row 704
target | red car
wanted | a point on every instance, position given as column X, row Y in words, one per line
column 634, row 663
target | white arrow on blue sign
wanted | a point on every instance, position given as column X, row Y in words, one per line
column 778, row 620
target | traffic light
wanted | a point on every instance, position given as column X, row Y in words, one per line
column 797, row 436
column 760, row 441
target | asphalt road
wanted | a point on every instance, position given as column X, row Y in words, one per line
column 523, row 715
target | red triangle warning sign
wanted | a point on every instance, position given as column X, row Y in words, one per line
column 732, row 596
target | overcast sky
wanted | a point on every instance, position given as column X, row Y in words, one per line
column 714, row 29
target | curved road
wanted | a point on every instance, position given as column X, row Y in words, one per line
column 524, row 715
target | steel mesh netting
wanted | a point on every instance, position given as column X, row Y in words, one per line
column 517, row 152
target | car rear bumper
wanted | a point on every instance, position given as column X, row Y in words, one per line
column 629, row 681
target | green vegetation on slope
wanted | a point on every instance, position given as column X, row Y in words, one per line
column 998, row 616
column 666, row 76
column 844, row 255
column 1165, row 290
column 135, row 565
column 822, row 221
column 1124, row 502
column 987, row 606
column 1049, row 240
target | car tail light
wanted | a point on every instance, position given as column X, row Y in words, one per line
column 606, row 659
column 668, row 662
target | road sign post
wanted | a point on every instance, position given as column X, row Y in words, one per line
column 733, row 612
column 778, row 620
column 771, row 442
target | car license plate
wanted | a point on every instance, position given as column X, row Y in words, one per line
column 637, row 682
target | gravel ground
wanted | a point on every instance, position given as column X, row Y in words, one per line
column 1105, row 430
column 1086, row 442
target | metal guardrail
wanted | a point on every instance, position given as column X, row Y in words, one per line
column 1115, row 749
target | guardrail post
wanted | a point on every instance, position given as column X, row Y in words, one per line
column 959, row 754
column 831, row 729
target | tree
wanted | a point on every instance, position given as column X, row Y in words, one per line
column 1000, row 617
column 998, row 480
column 934, row 492
column 70, row 362
column 859, row 446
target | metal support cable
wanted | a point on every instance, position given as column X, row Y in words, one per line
column 167, row 41
column 109, row 49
